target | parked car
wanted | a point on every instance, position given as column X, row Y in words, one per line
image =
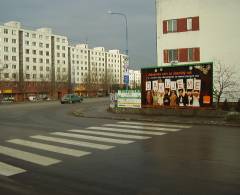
column 7, row 99
column 71, row 98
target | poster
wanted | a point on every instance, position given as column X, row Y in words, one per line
column 155, row 85
column 188, row 86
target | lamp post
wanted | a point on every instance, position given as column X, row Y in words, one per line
column 126, row 25
column 126, row 74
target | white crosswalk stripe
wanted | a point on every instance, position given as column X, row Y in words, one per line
column 9, row 170
column 110, row 134
column 73, row 142
column 27, row 156
column 127, row 130
column 51, row 148
column 155, row 124
column 94, row 138
column 142, row 127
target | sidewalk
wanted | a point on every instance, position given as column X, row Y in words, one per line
column 101, row 112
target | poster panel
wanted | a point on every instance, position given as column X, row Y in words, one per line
column 178, row 86
column 129, row 99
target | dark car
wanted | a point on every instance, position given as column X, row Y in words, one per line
column 71, row 98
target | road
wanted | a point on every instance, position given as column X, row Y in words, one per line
column 44, row 149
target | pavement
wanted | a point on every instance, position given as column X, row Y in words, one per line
column 101, row 111
column 44, row 149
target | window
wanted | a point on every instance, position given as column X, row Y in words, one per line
column 173, row 55
column 5, row 40
column 34, row 35
column 14, row 58
column 14, row 41
column 34, row 60
column 14, row 49
column 41, row 68
column 5, row 31
column 40, row 36
column 34, row 43
column 6, row 57
column 64, row 70
column 47, row 61
column 34, row 76
column 41, row 76
column 34, row 52
column 47, row 45
column 26, row 34
column 6, row 66
column 172, row 25
column 47, row 53
column 190, row 54
column 41, row 60
column 14, row 75
column 34, row 68
column 27, row 59
column 27, row 76
column 41, row 53
column 63, row 48
column 27, row 51
column 58, row 54
column 27, row 67
column 14, row 66
column 6, row 75
column 63, row 55
column 47, row 68
column 26, row 42
column 189, row 23
column 5, row 48
column 40, row 44
column 58, row 47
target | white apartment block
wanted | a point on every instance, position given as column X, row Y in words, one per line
column 96, row 65
column 198, row 31
column 60, row 59
column 79, row 63
column 39, row 55
column 134, row 78
column 9, row 51
column 36, row 50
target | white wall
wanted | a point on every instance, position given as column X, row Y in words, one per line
column 219, row 34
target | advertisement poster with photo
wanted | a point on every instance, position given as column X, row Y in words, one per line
column 186, row 86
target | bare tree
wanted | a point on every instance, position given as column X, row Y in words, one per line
column 224, row 81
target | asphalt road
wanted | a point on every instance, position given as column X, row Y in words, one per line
column 71, row 155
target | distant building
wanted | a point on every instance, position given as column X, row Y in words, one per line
column 38, row 62
column 134, row 79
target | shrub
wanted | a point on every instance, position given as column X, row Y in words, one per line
column 233, row 117
column 225, row 105
column 237, row 108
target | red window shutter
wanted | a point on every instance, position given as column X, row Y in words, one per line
column 196, row 54
column 183, row 55
column 164, row 26
column 165, row 56
column 182, row 25
column 195, row 23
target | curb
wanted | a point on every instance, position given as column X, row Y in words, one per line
column 212, row 123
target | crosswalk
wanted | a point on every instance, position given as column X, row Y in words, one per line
column 94, row 138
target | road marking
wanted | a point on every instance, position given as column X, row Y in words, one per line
column 73, row 142
column 155, row 124
column 51, row 148
column 27, row 156
column 141, row 127
column 9, row 170
column 103, row 139
column 127, row 130
column 111, row 134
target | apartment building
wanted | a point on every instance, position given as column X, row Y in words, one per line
column 9, row 51
column 134, row 79
column 191, row 31
column 39, row 62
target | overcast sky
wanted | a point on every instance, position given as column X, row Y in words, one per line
column 82, row 20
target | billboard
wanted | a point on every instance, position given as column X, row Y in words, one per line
column 129, row 99
column 178, row 86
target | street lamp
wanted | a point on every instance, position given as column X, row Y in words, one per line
column 126, row 23
column 126, row 74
